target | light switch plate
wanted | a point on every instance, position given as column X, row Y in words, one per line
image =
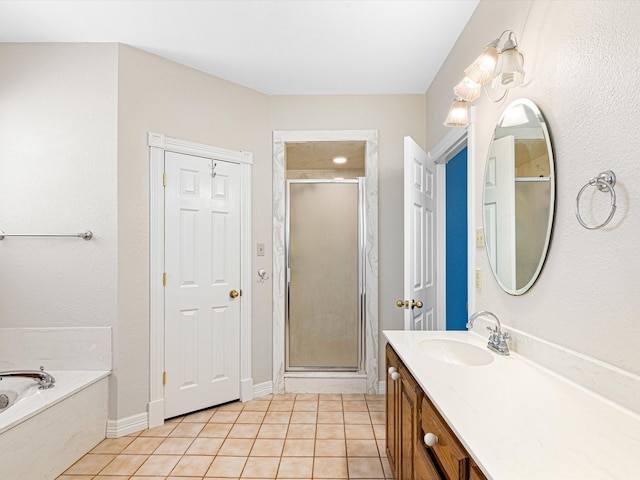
column 260, row 249
column 479, row 237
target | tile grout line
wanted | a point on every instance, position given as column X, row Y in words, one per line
column 254, row 438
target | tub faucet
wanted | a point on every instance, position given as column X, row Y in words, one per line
column 497, row 339
column 44, row 379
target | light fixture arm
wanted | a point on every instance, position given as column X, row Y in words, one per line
column 494, row 100
column 507, row 42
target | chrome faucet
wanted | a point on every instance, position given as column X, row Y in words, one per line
column 44, row 379
column 497, row 339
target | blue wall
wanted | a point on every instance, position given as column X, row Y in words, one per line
column 457, row 242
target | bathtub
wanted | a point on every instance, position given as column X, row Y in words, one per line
column 43, row 432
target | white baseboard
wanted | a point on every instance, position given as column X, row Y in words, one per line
column 262, row 389
column 125, row 426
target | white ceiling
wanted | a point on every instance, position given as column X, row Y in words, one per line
column 277, row 47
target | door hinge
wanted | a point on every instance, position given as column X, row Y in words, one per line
column 164, row 378
column 164, row 279
column 164, row 179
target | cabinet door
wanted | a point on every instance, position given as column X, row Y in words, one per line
column 393, row 411
column 410, row 396
column 424, row 468
column 475, row 473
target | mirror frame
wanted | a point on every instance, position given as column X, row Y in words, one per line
column 552, row 201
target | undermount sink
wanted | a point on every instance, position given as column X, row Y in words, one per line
column 455, row 353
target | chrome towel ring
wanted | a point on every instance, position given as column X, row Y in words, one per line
column 604, row 182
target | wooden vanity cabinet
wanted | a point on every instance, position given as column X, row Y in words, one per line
column 393, row 411
column 410, row 416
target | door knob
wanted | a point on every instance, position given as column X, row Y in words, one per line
column 234, row 294
column 416, row 304
column 400, row 303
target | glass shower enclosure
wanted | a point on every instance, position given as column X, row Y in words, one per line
column 325, row 238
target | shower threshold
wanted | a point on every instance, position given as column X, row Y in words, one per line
column 325, row 382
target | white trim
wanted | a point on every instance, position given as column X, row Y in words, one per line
column 158, row 145
column 127, row 425
column 246, row 382
column 262, row 389
column 447, row 148
column 382, row 387
column 156, row 412
column 441, row 246
column 370, row 137
column 471, row 213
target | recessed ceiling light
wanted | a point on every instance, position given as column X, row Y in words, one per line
column 340, row 160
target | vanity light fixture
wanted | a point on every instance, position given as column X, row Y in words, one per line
column 340, row 160
column 503, row 67
column 458, row 116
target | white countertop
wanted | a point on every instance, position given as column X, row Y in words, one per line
column 520, row 421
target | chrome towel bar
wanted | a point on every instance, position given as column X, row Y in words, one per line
column 87, row 235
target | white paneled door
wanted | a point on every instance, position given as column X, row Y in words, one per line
column 419, row 238
column 499, row 210
column 202, row 264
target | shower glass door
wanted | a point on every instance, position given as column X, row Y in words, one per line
column 325, row 283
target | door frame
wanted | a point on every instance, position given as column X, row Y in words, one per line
column 159, row 144
column 447, row 148
column 280, row 139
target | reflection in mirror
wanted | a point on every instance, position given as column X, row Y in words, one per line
column 519, row 197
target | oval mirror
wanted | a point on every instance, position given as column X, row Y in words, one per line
column 518, row 197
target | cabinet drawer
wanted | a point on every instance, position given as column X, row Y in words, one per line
column 449, row 452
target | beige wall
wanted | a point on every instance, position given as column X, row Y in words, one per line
column 394, row 117
column 582, row 71
column 73, row 126
column 57, row 175
column 58, row 151
column 157, row 95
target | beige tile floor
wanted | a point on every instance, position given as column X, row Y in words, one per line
column 303, row 436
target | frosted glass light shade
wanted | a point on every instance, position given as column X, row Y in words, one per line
column 514, row 116
column 510, row 69
column 467, row 90
column 481, row 70
column 457, row 116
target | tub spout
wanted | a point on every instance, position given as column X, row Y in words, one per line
column 44, row 379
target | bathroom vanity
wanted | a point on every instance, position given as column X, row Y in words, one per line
column 457, row 411
column 412, row 420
